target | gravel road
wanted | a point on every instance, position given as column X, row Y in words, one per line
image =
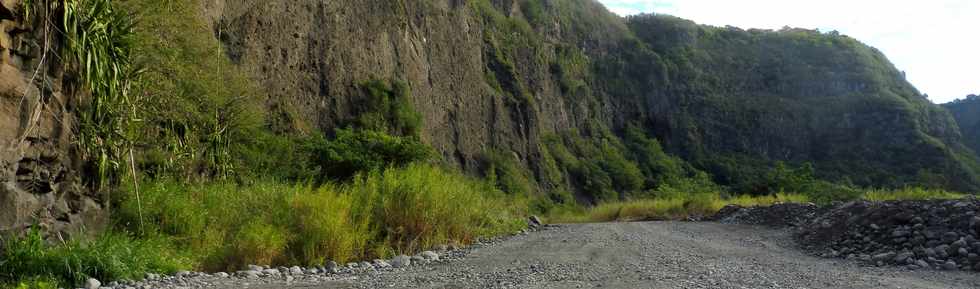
column 644, row 255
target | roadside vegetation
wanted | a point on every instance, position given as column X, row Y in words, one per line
column 376, row 215
column 698, row 205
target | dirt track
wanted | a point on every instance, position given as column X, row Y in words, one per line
column 647, row 255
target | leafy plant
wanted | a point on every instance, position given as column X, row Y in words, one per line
column 355, row 151
column 99, row 45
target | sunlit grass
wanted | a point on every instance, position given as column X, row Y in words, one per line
column 910, row 194
column 379, row 214
column 682, row 207
column 671, row 208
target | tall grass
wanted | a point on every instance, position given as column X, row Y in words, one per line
column 377, row 215
column 30, row 262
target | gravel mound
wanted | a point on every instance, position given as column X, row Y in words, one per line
column 941, row 235
column 778, row 215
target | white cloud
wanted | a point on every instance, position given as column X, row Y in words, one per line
column 936, row 42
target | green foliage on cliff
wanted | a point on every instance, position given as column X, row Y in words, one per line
column 351, row 152
column 735, row 102
column 200, row 111
column 967, row 114
column 388, row 108
column 607, row 168
column 96, row 39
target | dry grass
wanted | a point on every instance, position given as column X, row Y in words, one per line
column 671, row 208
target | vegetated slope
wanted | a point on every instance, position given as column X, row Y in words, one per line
column 723, row 95
column 539, row 93
column 967, row 115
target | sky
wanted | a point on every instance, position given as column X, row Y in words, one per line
column 936, row 42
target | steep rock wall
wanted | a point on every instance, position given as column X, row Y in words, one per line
column 40, row 180
column 728, row 100
column 313, row 54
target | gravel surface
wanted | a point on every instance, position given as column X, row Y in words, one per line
column 625, row 255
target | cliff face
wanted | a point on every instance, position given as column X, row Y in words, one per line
column 40, row 179
column 967, row 114
column 313, row 55
column 499, row 75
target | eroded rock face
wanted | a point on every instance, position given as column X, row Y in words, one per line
column 39, row 168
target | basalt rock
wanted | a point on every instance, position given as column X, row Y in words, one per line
column 40, row 179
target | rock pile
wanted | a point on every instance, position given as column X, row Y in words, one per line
column 778, row 215
column 256, row 274
column 941, row 235
column 916, row 234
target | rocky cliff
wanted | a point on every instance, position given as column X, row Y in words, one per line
column 500, row 75
column 40, row 175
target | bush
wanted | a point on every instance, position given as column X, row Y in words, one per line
column 30, row 262
column 388, row 108
column 354, row 151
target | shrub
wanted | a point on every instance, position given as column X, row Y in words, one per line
column 353, row 151
column 388, row 108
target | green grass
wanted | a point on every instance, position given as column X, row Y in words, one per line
column 30, row 262
column 910, row 194
column 376, row 215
